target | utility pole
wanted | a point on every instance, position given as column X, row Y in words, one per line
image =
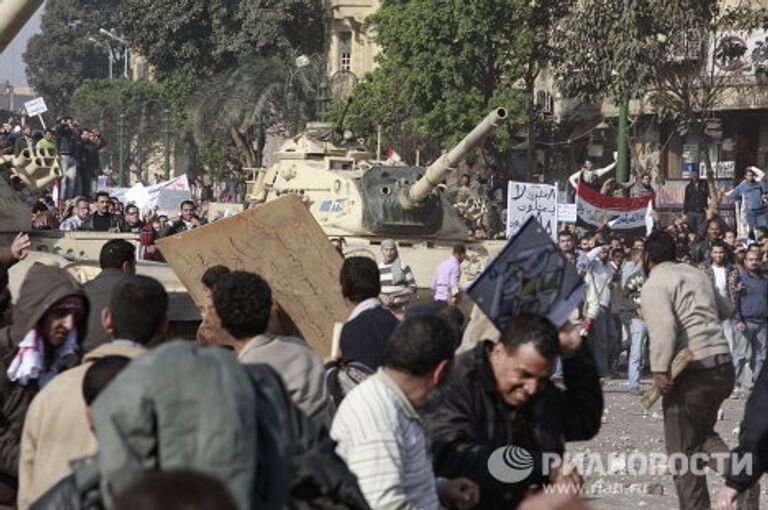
column 622, row 170
column 121, row 149
column 167, row 142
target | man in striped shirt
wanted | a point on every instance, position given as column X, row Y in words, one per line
column 397, row 282
column 380, row 434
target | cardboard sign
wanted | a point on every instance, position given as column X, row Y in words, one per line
column 529, row 275
column 283, row 243
column 528, row 200
column 221, row 210
column 35, row 106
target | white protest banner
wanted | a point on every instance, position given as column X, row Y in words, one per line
column 526, row 200
column 35, row 106
column 566, row 213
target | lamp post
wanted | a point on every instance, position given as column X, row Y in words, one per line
column 122, row 41
column 167, row 142
column 121, row 139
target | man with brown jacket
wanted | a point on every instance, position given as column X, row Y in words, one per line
column 682, row 309
column 50, row 320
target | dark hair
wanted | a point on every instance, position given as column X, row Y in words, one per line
column 100, row 374
column 660, row 247
column 459, row 249
column 564, row 233
column 187, row 202
column 139, row 305
column 535, row 329
column 100, row 194
column 131, row 206
column 682, row 250
column 213, row 275
column 176, row 489
column 717, row 243
column 454, row 316
column 420, row 343
column 763, row 229
column 115, row 253
column 39, row 207
column 360, row 279
column 243, row 302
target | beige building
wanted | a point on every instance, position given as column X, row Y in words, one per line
column 350, row 51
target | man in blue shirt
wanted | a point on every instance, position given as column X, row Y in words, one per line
column 751, row 192
column 751, row 314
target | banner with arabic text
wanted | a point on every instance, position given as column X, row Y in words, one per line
column 529, row 200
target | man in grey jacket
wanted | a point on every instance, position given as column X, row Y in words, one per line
column 681, row 310
column 242, row 303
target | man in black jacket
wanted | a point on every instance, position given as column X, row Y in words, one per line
column 102, row 220
column 500, row 396
column 695, row 202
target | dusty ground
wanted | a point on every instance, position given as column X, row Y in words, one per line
column 626, row 428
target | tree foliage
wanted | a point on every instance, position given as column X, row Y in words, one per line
column 99, row 105
column 62, row 55
column 205, row 38
column 445, row 64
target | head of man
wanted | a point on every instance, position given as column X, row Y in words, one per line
column 132, row 215
column 421, row 349
column 752, row 260
column 523, row 360
column 585, row 243
column 717, row 253
column 587, row 165
column 61, row 318
column 188, row 210
column 81, row 209
column 138, row 311
column 617, row 256
column 465, row 179
column 617, row 243
column 212, row 277
column 659, row 248
column 729, row 237
column 118, row 254
column 460, row 252
column 565, row 241
column 102, row 203
column 389, row 251
column 49, row 135
column 243, row 303
column 646, row 179
column 714, row 229
column 360, row 280
column 749, row 175
column 694, row 175
column 638, row 243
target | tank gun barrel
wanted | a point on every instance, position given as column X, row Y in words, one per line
column 13, row 15
column 437, row 171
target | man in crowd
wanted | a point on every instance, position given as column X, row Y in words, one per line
column 243, row 303
column 445, row 282
column 589, row 175
column 598, row 322
column 56, row 429
column 565, row 242
column 725, row 277
column 68, row 142
column 379, row 431
column 500, row 394
column 398, row 285
column 632, row 279
column 700, row 252
column 365, row 335
column 49, row 322
column 102, row 220
column 91, row 142
column 133, row 219
column 187, row 220
column 210, row 331
column 117, row 259
column 48, row 141
column 750, row 318
column 682, row 309
column 751, row 192
column 80, row 213
column 695, row 202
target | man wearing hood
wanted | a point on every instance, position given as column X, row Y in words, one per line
column 398, row 285
column 49, row 323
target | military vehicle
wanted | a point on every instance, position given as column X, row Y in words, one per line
column 364, row 202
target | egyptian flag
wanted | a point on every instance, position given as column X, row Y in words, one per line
column 594, row 210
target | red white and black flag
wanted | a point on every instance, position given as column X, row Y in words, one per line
column 595, row 210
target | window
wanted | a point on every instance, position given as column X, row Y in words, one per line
column 345, row 51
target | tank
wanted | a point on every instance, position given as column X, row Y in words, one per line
column 364, row 201
column 13, row 16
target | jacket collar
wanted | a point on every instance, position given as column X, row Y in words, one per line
column 256, row 342
column 115, row 348
column 364, row 306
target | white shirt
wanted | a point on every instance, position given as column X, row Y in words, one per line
column 382, row 439
column 721, row 282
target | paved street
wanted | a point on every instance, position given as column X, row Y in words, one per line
column 627, row 428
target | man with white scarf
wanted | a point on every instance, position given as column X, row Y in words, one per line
column 398, row 285
column 50, row 320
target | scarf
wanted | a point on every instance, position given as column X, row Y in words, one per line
column 29, row 362
column 398, row 275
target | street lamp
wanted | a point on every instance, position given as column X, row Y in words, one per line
column 122, row 41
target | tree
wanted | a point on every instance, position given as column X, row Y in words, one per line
column 443, row 65
column 654, row 50
column 99, row 105
column 62, row 55
column 208, row 37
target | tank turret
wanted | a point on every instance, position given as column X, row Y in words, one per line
column 351, row 195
